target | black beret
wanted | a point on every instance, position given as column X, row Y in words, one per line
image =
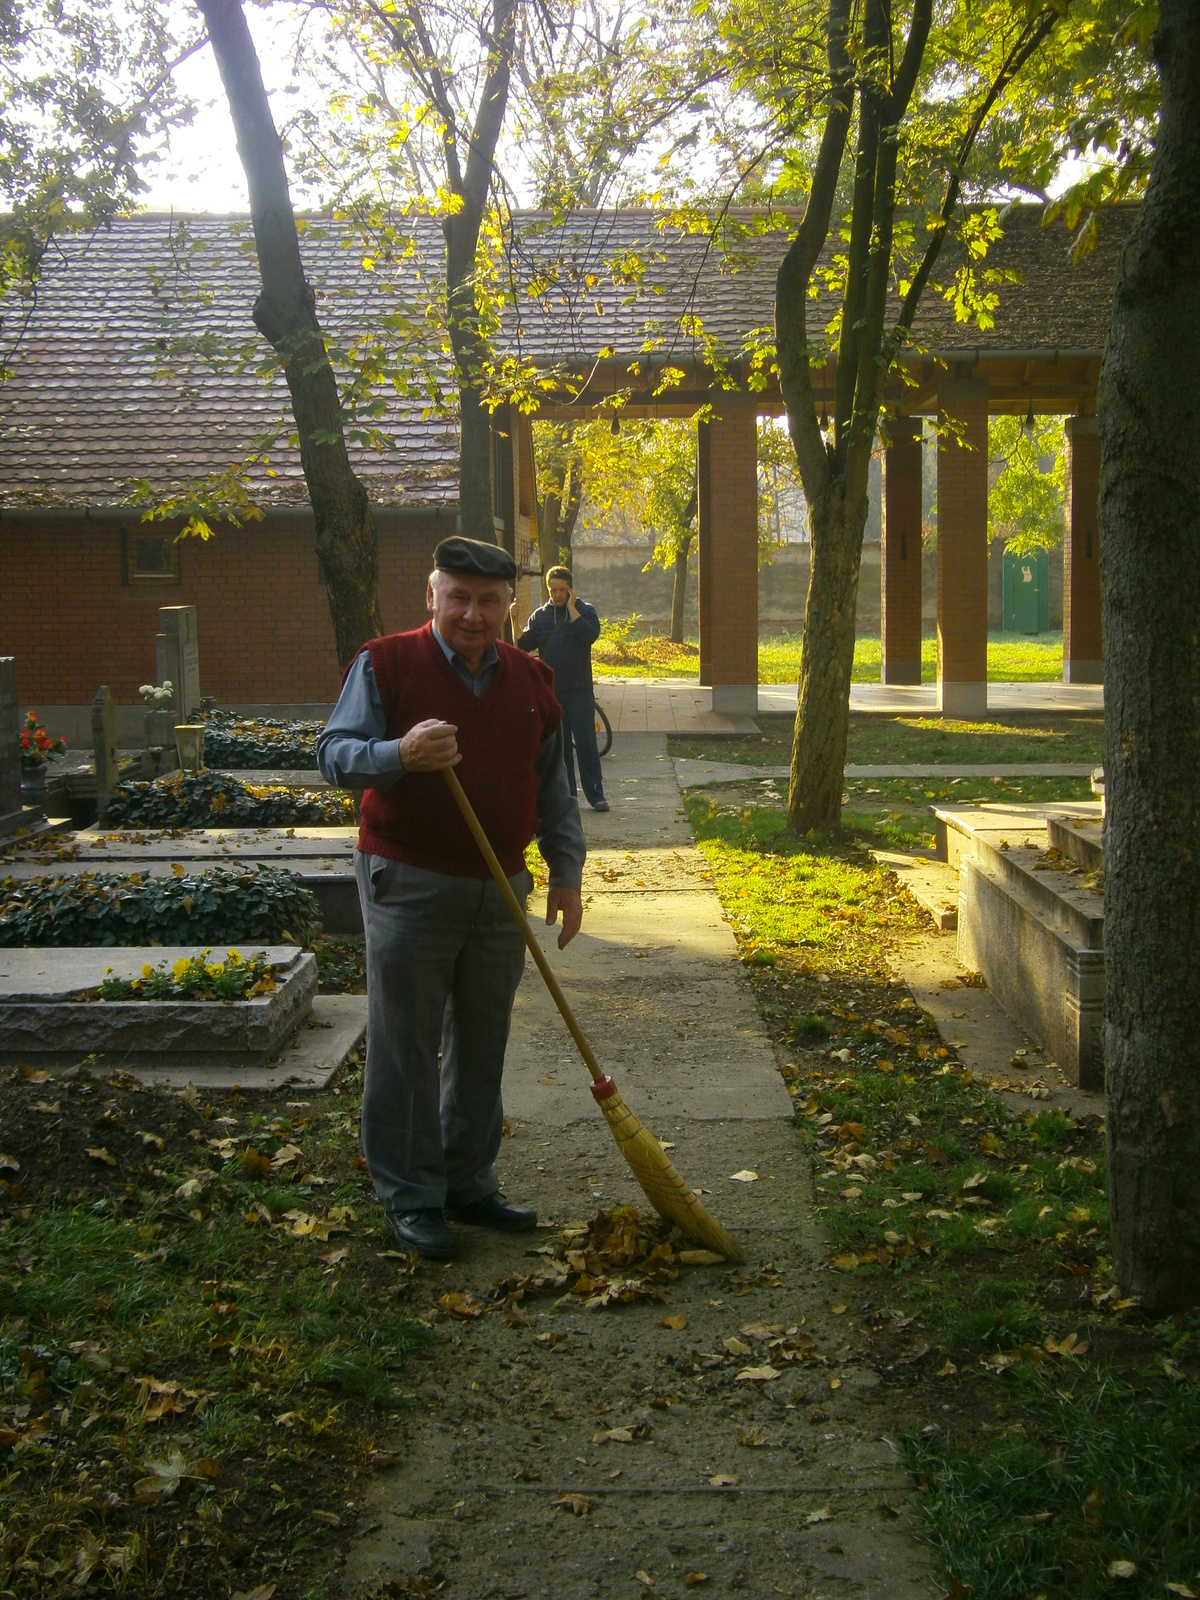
column 476, row 558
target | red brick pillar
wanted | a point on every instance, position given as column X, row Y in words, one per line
column 728, row 536
column 1083, row 650
column 704, row 596
column 901, row 528
column 962, row 570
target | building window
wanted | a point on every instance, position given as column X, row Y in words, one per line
column 149, row 557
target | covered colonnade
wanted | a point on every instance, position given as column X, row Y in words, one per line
column 641, row 352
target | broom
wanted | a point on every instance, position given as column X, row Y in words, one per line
column 661, row 1184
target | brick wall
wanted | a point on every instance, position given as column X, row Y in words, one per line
column 900, row 606
column 962, row 550
column 265, row 633
column 1083, row 646
column 728, row 540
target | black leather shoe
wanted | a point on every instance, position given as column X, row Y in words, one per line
column 600, row 805
column 494, row 1211
column 423, row 1231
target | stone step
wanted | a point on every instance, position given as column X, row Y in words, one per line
column 1080, row 839
column 1048, row 980
column 1055, row 894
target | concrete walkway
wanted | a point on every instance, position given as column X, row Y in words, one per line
column 508, row 1420
column 681, row 705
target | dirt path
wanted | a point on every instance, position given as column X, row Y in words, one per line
column 786, row 1485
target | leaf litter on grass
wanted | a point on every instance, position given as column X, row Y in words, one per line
column 988, row 1223
column 167, row 1363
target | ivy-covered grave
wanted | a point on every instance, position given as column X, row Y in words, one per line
column 237, row 905
column 212, row 799
column 258, row 742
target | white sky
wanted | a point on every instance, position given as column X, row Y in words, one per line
column 203, row 172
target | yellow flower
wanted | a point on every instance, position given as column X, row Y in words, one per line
column 234, row 958
column 147, row 970
column 179, row 970
column 215, row 970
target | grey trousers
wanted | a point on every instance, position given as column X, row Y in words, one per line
column 444, row 959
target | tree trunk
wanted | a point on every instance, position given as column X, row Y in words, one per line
column 1150, row 569
column 548, row 530
column 827, row 660
column 570, row 511
column 679, row 592
column 285, row 315
column 475, row 420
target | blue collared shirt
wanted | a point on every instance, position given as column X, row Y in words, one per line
column 354, row 752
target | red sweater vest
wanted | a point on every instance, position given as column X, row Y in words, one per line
column 499, row 736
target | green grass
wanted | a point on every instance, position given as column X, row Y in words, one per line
column 211, row 1324
column 896, row 812
column 1011, row 658
column 971, row 1233
column 1080, row 1478
column 879, row 740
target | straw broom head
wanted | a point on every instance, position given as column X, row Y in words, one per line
column 661, row 1184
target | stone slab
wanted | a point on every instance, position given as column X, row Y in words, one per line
column 956, row 826
column 1048, row 981
column 281, row 777
column 221, row 844
column 1080, row 839
column 1057, row 892
column 311, row 1059
column 45, row 1012
column 932, row 884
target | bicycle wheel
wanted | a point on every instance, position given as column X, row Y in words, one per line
column 603, row 731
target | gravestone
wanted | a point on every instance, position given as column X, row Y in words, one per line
column 104, row 743
column 10, row 748
column 178, row 644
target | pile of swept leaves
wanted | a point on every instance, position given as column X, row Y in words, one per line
column 214, row 800
column 233, row 741
column 198, row 1339
column 261, row 905
column 616, row 1258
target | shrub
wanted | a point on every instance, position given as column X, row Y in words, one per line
column 213, row 800
column 228, row 905
column 231, row 741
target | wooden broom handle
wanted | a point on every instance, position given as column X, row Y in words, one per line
column 522, row 921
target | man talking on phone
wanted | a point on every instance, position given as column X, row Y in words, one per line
column 563, row 632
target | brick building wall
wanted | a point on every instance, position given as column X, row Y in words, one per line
column 74, row 620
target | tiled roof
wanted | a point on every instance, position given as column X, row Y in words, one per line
column 570, row 305
column 92, row 404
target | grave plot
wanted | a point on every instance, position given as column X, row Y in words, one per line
column 213, row 1017
column 1031, row 921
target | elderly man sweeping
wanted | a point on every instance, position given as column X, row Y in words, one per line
column 444, row 956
